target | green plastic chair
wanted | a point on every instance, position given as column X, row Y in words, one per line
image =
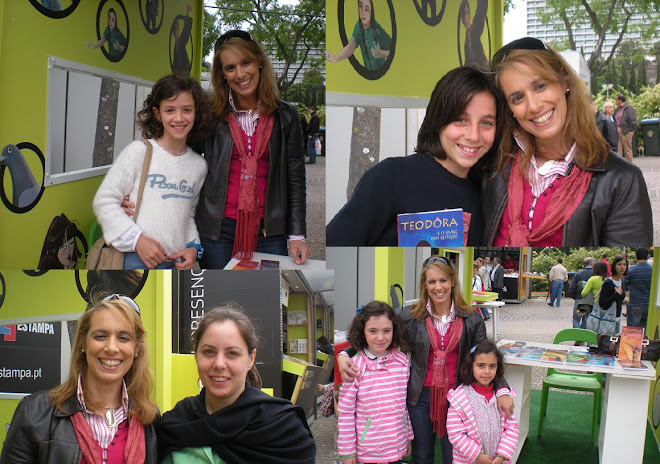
column 573, row 380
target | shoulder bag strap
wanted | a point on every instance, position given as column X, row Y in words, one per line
column 143, row 177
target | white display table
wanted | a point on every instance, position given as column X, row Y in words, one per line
column 286, row 262
column 494, row 307
column 625, row 404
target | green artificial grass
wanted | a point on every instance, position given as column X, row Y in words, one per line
column 565, row 437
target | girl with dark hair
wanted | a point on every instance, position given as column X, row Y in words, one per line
column 454, row 143
column 232, row 421
column 606, row 316
column 372, row 39
column 164, row 235
column 441, row 328
column 373, row 406
column 558, row 182
column 103, row 411
column 476, row 428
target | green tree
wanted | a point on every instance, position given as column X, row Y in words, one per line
column 647, row 103
column 288, row 32
column 603, row 17
column 211, row 31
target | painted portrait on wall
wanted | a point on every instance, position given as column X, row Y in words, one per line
column 152, row 13
column 112, row 30
column 181, row 46
column 359, row 29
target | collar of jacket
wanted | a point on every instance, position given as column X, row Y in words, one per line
column 71, row 406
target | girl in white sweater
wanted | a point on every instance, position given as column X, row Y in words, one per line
column 164, row 235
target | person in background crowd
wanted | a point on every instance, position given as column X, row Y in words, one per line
column 606, row 126
column 489, row 267
column 497, row 277
column 312, row 134
column 638, row 282
column 583, row 275
column 510, row 262
column 608, row 109
column 626, row 125
column 558, row 275
column 607, row 264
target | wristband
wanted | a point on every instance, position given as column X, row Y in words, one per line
column 198, row 246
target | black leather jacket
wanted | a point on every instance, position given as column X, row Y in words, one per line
column 41, row 434
column 285, row 193
column 474, row 330
column 615, row 211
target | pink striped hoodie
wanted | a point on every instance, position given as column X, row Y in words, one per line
column 463, row 433
column 374, row 424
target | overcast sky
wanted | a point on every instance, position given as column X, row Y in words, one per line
column 515, row 22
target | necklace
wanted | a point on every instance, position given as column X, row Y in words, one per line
column 169, row 150
column 110, row 417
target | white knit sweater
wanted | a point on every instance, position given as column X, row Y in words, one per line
column 171, row 193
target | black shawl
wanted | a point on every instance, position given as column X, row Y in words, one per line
column 256, row 428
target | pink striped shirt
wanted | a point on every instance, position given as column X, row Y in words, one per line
column 374, row 424
column 463, row 429
column 102, row 432
column 542, row 178
column 441, row 323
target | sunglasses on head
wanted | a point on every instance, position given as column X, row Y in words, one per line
column 439, row 259
column 236, row 33
column 125, row 299
column 526, row 43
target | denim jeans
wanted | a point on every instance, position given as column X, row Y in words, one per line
column 555, row 292
column 423, row 446
column 132, row 261
column 217, row 253
column 637, row 315
column 311, row 149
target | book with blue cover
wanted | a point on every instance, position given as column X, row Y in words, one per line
column 443, row 228
column 530, row 352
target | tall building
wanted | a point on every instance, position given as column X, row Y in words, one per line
column 314, row 54
column 585, row 38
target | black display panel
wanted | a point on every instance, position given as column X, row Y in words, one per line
column 259, row 295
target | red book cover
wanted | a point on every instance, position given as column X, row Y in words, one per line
column 246, row 265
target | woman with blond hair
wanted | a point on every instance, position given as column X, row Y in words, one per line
column 558, row 184
column 103, row 412
column 441, row 329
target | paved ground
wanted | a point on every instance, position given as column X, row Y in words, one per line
column 650, row 166
column 532, row 321
column 316, row 207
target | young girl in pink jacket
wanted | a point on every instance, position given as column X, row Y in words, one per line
column 374, row 426
column 476, row 429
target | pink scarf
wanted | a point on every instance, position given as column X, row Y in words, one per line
column 561, row 207
column 247, row 221
column 439, row 378
column 135, row 451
